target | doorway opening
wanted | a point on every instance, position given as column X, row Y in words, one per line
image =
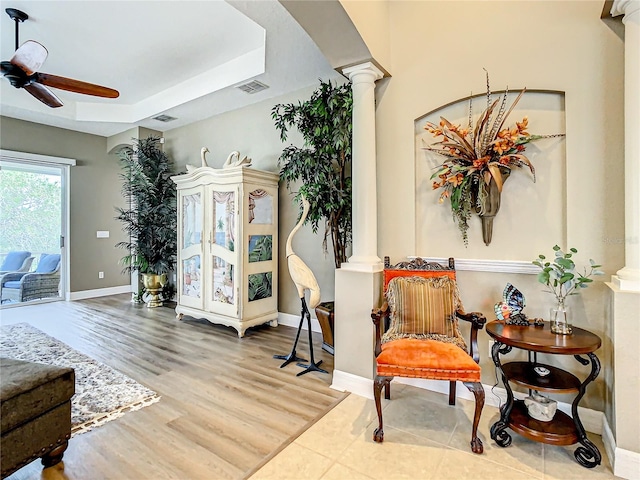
column 33, row 228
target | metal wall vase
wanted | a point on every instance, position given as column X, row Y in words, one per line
column 487, row 203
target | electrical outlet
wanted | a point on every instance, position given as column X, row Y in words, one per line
column 100, row 274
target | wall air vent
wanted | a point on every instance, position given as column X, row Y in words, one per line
column 253, row 87
column 164, row 118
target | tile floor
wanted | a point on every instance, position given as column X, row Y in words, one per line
column 425, row 438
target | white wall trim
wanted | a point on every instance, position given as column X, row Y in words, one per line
column 34, row 157
column 625, row 463
column 494, row 266
column 294, row 320
column 609, row 441
column 99, row 292
column 348, row 382
column 592, row 420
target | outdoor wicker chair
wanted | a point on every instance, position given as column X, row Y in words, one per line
column 16, row 261
column 42, row 283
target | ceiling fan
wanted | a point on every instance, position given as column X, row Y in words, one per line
column 22, row 71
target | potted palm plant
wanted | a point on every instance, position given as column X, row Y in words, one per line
column 150, row 219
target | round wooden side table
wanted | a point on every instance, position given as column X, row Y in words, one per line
column 562, row 429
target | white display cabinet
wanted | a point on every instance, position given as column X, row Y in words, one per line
column 228, row 246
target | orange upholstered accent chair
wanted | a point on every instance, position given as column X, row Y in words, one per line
column 417, row 334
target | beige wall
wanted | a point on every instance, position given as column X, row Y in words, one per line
column 438, row 53
column 251, row 131
column 373, row 25
column 94, row 191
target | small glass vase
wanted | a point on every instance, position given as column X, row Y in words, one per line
column 561, row 319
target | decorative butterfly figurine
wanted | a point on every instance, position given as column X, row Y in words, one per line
column 510, row 308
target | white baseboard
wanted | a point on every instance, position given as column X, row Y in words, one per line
column 294, row 320
column 348, row 382
column 99, row 292
column 609, row 441
column 592, row 420
column 626, row 464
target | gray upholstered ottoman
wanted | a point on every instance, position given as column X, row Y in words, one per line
column 35, row 413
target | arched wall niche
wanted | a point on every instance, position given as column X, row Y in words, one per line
column 532, row 215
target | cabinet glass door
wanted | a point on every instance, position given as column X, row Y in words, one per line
column 223, row 250
column 190, row 270
column 261, row 255
column 260, row 207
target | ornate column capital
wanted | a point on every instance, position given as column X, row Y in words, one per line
column 364, row 72
column 625, row 7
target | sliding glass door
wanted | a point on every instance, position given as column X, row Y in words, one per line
column 33, row 226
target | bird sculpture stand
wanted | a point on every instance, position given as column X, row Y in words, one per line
column 304, row 280
column 313, row 366
column 293, row 356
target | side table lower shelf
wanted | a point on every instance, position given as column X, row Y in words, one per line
column 560, row 431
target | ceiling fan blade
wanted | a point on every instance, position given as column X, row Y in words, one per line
column 77, row 86
column 30, row 56
column 43, row 94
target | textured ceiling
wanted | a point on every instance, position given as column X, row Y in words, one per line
column 183, row 59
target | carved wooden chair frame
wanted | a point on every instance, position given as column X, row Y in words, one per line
column 381, row 320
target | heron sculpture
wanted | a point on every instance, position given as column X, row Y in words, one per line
column 304, row 280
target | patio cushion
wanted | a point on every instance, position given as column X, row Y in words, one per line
column 14, row 260
column 11, row 284
column 48, row 263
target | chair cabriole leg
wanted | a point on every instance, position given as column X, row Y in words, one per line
column 378, row 384
column 478, row 392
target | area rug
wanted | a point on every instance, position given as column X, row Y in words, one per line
column 102, row 393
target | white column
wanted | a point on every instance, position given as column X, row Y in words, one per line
column 624, row 331
column 365, row 213
column 628, row 278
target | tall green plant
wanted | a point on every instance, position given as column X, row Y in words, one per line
column 323, row 165
column 151, row 218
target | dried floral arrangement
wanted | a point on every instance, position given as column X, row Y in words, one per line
column 479, row 158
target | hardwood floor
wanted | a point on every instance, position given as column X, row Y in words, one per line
column 226, row 406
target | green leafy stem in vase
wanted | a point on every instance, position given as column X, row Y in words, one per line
column 561, row 276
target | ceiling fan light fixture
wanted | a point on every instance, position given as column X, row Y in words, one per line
column 253, row 87
column 164, row 118
column 22, row 71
